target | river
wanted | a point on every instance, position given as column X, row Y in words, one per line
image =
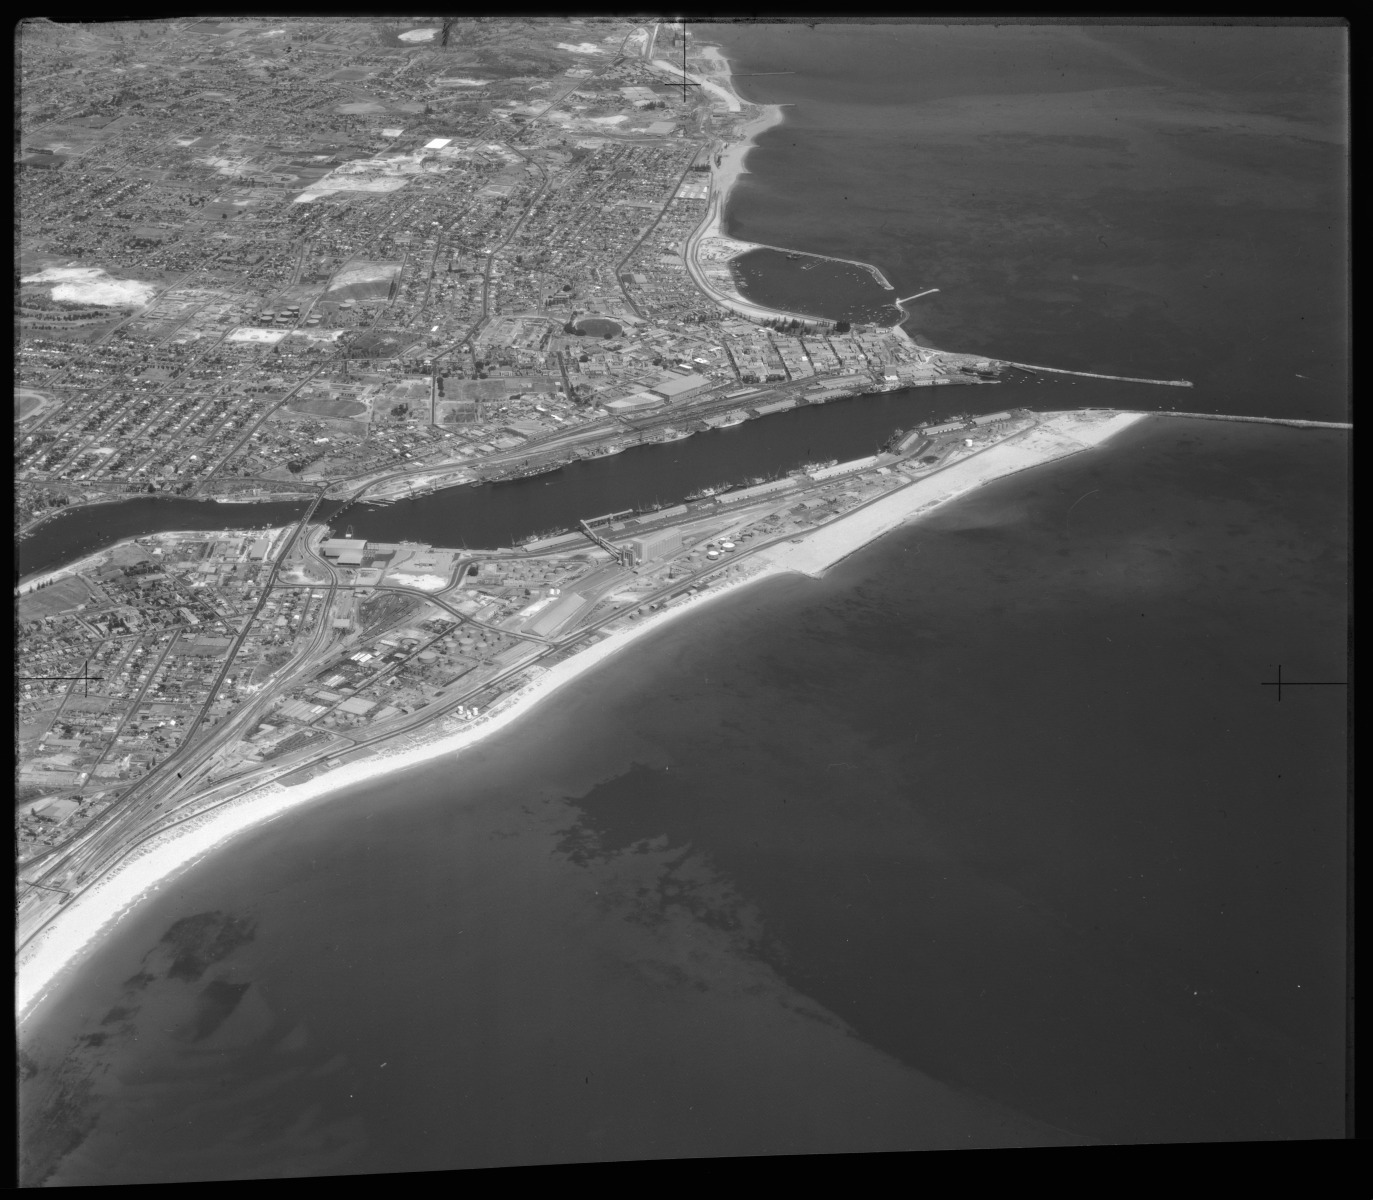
column 994, row 835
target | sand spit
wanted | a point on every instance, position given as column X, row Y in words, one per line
column 1064, row 434
column 91, row 285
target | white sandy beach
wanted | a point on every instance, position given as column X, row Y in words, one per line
column 24, row 586
column 62, row 943
column 1068, row 433
column 66, row 939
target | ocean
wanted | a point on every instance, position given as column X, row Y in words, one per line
column 993, row 836
column 1168, row 203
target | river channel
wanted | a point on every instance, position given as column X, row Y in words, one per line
column 502, row 514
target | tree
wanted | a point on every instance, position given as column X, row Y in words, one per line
column 842, row 327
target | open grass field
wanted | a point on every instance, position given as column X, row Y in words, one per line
column 363, row 281
column 29, row 403
column 61, row 596
column 497, row 389
column 407, row 389
column 327, row 406
column 382, row 343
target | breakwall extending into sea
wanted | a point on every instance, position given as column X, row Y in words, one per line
column 1094, row 375
column 1300, row 424
column 853, row 262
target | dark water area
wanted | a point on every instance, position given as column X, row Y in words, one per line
column 505, row 513
column 992, row 836
column 1168, row 203
column 77, row 532
column 502, row 514
column 820, row 287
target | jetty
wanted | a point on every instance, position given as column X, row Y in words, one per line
column 1093, row 375
column 926, row 292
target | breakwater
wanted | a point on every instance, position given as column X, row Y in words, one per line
column 1094, row 375
column 1298, row 422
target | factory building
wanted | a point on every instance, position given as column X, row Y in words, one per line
column 844, row 468
column 752, row 493
column 338, row 547
column 548, row 622
column 674, row 387
column 650, row 546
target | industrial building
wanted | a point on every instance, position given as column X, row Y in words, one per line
column 844, row 468
column 657, row 544
column 637, row 400
column 337, row 547
column 675, row 387
column 559, row 613
column 752, row 493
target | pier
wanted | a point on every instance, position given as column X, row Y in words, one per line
column 926, row 292
column 1093, row 375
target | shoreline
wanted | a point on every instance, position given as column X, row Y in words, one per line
column 732, row 168
column 61, row 945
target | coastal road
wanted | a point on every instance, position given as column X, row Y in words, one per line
column 743, row 308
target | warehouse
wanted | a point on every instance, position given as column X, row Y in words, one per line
column 752, row 493
column 675, row 387
column 336, row 547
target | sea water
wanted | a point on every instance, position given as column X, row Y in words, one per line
column 998, row 834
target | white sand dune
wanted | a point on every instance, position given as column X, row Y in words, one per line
column 91, row 285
